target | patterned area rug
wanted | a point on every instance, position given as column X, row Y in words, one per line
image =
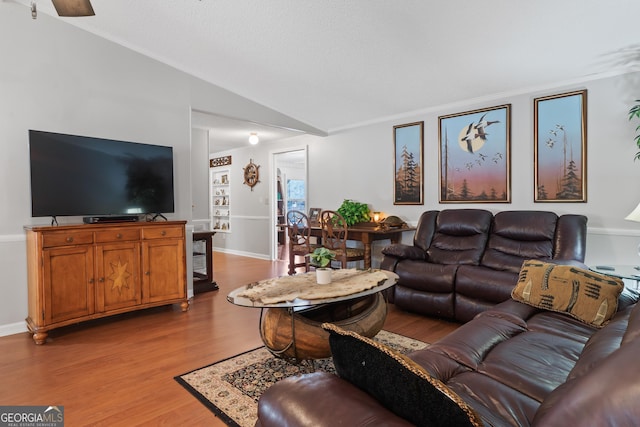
column 231, row 388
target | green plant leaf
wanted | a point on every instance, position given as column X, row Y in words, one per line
column 354, row 212
column 321, row 257
column 634, row 113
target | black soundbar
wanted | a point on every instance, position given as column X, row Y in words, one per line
column 110, row 218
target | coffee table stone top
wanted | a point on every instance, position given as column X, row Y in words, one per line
column 301, row 290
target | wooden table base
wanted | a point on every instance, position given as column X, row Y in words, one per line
column 299, row 336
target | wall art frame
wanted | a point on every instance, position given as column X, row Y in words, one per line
column 314, row 217
column 560, row 148
column 408, row 176
column 219, row 161
column 475, row 156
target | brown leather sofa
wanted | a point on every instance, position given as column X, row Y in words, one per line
column 465, row 261
column 513, row 364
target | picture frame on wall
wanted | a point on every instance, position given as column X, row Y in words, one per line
column 560, row 147
column 475, row 156
column 314, row 216
column 408, row 178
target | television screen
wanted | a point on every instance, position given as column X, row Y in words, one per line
column 77, row 175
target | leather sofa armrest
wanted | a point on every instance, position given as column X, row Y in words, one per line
column 402, row 251
column 571, row 237
column 321, row 399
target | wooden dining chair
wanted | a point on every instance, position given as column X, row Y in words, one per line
column 300, row 245
column 334, row 237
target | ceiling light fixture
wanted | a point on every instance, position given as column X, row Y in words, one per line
column 253, row 138
column 73, row 7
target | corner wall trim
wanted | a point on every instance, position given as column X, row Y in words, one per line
column 5, row 238
column 13, row 328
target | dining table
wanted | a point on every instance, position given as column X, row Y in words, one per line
column 367, row 234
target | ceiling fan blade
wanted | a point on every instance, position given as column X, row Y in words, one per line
column 73, row 8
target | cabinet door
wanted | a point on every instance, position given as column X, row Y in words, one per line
column 163, row 266
column 68, row 283
column 118, row 276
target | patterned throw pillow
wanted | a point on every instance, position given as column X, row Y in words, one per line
column 583, row 294
column 397, row 382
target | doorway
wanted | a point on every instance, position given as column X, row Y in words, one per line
column 290, row 184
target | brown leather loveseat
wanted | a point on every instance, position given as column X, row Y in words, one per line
column 465, row 261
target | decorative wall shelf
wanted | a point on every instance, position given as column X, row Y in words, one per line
column 220, row 209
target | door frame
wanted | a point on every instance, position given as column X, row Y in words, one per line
column 273, row 192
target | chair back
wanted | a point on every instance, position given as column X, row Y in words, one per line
column 298, row 228
column 334, row 230
column 300, row 245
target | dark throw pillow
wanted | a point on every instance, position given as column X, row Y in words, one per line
column 398, row 383
column 583, row 294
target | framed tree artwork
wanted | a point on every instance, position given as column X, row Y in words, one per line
column 560, row 147
column 475, row 156
column 408, row 142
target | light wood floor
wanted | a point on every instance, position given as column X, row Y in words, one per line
column 119, row 371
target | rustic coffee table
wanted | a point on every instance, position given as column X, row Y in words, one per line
column 291, row 328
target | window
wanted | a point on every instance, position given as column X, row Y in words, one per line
column 296, row 195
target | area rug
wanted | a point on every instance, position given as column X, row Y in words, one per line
column 231, row 388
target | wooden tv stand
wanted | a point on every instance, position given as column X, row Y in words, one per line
column 81, row 272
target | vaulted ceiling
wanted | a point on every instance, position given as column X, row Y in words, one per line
column 338, row 63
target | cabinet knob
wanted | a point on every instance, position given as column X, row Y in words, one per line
column 147, row 273
column 164, row 233
column 119, row 236
column 69, row 239
column 101, row 279
column 91, row 280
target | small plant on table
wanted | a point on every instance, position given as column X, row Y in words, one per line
column 322, row 257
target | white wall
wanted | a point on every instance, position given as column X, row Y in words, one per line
column 56, row 77
column 357, row 163
column 200, row 176
column 59, row 78
column 251, row 215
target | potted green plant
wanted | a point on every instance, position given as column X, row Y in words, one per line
column 354, row 212
column 321, row 258
column 634, row 112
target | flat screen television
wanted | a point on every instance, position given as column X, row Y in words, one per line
column 75, row 175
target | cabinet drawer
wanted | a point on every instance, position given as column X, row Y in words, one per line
column 65, row 238
column 162, row 232
column 117, row 235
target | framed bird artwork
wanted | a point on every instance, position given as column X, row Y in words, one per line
column 475, row 159
column 560, row 147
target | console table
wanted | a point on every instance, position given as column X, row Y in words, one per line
column 204, row 282
column 87, row 271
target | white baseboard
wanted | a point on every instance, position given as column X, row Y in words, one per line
column 242, row 253
column 13, row 328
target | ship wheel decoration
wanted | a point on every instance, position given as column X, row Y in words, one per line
column 251, row 174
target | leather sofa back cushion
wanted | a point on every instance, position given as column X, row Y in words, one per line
column 397, row 382
column 460, row 236
column 520, row 235
column 583, row 294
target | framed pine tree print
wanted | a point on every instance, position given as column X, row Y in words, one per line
column 475, row 156
column 408, row 143
column 560, row 147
